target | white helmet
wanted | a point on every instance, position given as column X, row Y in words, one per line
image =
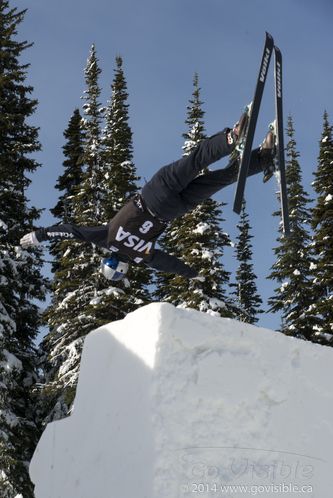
column 113, row 269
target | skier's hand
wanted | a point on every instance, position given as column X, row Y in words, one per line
column 29, row 240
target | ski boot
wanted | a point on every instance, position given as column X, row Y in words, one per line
column 236, row 136
column 266, row 154
column 239, row 129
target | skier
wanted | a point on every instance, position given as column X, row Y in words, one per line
column 174, row 190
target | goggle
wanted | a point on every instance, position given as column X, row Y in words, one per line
column 111, row 262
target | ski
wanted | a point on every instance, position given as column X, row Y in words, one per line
column 245, row 147
column 279, row 130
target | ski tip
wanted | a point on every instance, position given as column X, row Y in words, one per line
column 237, row 208
column 268, row 35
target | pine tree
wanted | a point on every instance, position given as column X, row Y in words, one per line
column 77, row 281
column 21, row 284
column 68, row 183
column 293, row 267
column 246, row 289
column 118, row 147
column 121, row 178
column 83, row 299
column 322, row 223
column 71, row 179
column 93, row 187
column 54, row 400
column 197, row 239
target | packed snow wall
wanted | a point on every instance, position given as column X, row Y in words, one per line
column 176, row 403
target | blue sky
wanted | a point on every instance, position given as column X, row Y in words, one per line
column 162, row 44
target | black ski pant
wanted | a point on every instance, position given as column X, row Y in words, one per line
column 176, row 188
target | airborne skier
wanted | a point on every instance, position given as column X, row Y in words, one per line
column 175, row 189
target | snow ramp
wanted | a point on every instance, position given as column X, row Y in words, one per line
column 177, row 403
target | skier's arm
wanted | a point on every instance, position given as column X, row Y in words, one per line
column 96, row 235
column 162, row 261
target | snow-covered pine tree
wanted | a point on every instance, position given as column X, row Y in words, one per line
column 246, row 292
column 93, row 187
column 294, row 261
column 66, row 279
column 69, row 183
column 118, row 147
column 121, row 179
column 198, row 239
column 21, row 283
column 322, row 223
column 72, row 314
column 83, row 299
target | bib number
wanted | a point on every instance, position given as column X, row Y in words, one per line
column 147, row 225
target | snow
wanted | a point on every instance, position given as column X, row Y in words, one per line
column 10, row 361
column 9, row 418
column 72, row 354
column 172, row 403
column 206, row 254
column 284, row 286
column 201, row 228
column 3, row 226
column 110, row 291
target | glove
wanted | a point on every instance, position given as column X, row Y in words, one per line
column 29, row 240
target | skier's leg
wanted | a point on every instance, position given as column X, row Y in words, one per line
column 204, row 186
column 177, row 175
column 162, row 193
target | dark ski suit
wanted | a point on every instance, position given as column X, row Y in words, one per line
column 173, row 191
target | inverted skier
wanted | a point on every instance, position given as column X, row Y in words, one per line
column 174, row 190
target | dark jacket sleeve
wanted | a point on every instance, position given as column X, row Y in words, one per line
column 165, row 262
column 95, row 235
